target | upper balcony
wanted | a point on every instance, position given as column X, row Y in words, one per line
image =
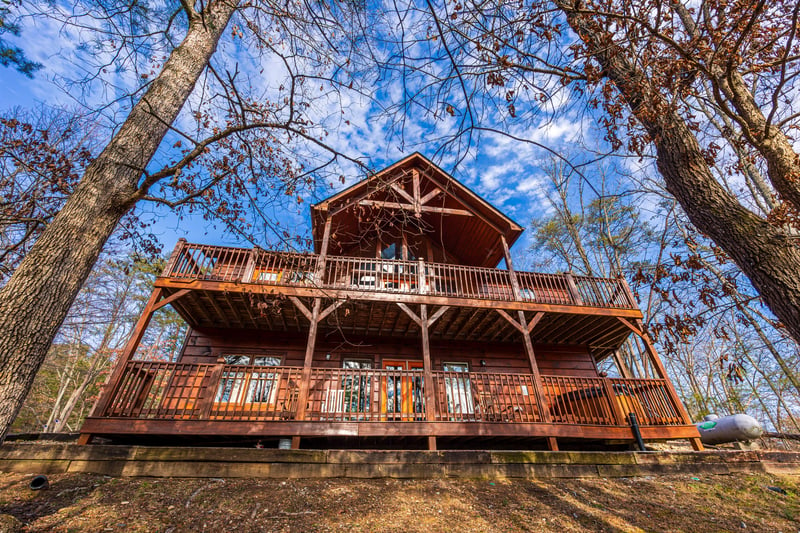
column 247, row 288
column 368, row 277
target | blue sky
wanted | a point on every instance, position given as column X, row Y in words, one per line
column 504, row 171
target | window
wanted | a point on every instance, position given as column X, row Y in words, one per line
column 391, row 252
column 237, row 386
column 269, row 276
column 357, row 363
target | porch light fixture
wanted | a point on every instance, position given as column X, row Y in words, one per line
column 327, row 357
column 483, row 362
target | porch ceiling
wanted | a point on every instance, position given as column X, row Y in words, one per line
column 241, row 310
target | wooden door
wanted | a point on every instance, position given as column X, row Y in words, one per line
column 402, row 395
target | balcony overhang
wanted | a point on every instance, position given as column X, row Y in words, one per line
column 212, row 304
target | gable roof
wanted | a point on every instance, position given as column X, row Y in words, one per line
column 469, row 226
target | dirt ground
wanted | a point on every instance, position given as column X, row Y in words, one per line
column 704, row 503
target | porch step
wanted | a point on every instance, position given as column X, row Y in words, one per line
column 197, row 462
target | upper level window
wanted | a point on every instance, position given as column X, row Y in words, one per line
column 391, row 252
column 395, row 251
column 356, row 363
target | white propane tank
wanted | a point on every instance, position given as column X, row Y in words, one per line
column 731, row 428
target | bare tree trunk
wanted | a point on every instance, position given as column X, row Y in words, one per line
column 764, row 252
column 37, row 297
column 62, row 389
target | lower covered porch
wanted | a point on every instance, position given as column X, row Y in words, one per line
column 362, row 407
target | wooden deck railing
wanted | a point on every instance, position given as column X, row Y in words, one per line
column 218, row 263
column 178, row 391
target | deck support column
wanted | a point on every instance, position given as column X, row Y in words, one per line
column 127, row 354
column 424, row 324
column 662, row 374
column 305, row 380
column 323, row 252
column 313, row 318
column 430, row 397
column 525, row 329
column 544, row 405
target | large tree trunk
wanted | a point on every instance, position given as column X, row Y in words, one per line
column 764, row 252
column 36, row 298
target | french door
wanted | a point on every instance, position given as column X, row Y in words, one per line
column 402, row 395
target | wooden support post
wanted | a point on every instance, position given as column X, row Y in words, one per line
column 127, row 354
column 416, row 194
column 511, row 272
column 250, row 267
column 424, row 324
column 323, row 253
column 171, row 298
column 525, row 327
column 305, row 381
column 662, row 374
column 622, row 366
column 207, row 402
column 616, row 410
column 427, row 370
column 628, row 292
column 544, row 405
column 421, row 288
column 573, row 289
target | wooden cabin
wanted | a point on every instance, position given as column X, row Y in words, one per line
column 399, row 331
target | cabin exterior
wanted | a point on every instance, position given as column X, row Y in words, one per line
column 398, row 331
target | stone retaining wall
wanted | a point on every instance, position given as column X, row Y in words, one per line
column 39, row 458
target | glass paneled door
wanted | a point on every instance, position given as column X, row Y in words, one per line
column 402, row 395
column 458, row 391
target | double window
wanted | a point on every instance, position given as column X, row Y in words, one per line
column 248, row 385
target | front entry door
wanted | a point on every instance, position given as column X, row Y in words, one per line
column 402, row 395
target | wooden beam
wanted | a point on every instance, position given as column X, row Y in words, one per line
column 399, row 190
column 219, row 310
column 466, row 322
column 234, row 311
column 438, row 314
column 522, row 329
column 301, row 306
column 410, row 313
column 630, row 326
column 125, row 426
column 171, row 298
column 430, row 196
column 330, row 309
column 319, row 275
column 533, row 321
column 408, row 298
column 573, row 289
column 410, row 207
column 249, row 312
column 415, row 189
